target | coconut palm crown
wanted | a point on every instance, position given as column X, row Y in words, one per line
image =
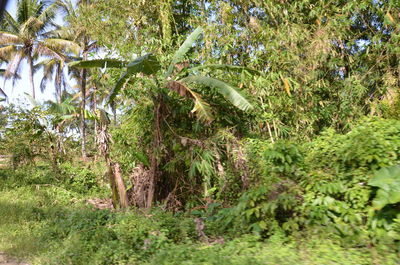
column 24, row 38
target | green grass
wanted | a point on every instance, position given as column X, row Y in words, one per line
column 46, row 224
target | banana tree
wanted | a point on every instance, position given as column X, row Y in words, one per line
column 148, row 66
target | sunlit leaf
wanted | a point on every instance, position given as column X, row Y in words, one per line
column 232, row 94
column 388, row 181
column 181, row 52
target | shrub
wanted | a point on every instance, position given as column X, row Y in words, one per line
column 323, row 185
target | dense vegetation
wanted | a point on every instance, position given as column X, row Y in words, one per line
column 202, row 132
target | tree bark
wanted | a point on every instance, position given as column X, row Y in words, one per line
column 120, row 186
column 118, row 189
column 153, row 176
column 31, row 82
column 83, row 104
column 96, row 129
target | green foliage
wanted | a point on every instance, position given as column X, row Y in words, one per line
column 304, row 160
column 26, row 136
column 324, row 185
column 79, row 178
column 230, row 93
column 179, row 55
column 388, row 181
column 50, row 226
column 277, row 250
column 65, row 231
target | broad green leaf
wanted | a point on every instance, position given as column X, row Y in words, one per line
column 100, row 63
column 232, row 94
column 226, row 67
column 181, row 52
column 118, row 86
column 147, row 64
column 388, row 181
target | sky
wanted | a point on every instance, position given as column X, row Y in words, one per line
column 16, row 93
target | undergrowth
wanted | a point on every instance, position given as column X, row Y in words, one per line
column 330, row 201
column 49, row 225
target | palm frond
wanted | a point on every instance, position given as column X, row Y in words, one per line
column 48, row 71
column 43, row 50
column 27, row 9
column 9, row 38
column 14, row 65
column 67, row 7
column 232, row 94
column 7, row 52
column 62, row 45
column 48, row 14
column 30, row 27
column 11, row 24
column 181, row 52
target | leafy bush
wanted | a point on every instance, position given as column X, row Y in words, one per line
column 325, row 185
column 388, row 181
column 79, row 178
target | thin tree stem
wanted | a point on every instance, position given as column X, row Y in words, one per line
column 30, row 63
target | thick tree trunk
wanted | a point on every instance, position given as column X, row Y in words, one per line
column 31, row 82
column 120, row 186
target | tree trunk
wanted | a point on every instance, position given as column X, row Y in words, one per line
column 58, row 83
column 118, row 189
column 31, row 82
column 83, row 104
column 153, row 176
column 120, row 186
column 94, row 108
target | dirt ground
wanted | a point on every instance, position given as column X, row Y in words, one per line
column 4, row 260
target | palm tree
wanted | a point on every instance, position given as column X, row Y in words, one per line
column 24, row 37
column 80, row 37
column 54, row 68
column 178, row 81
